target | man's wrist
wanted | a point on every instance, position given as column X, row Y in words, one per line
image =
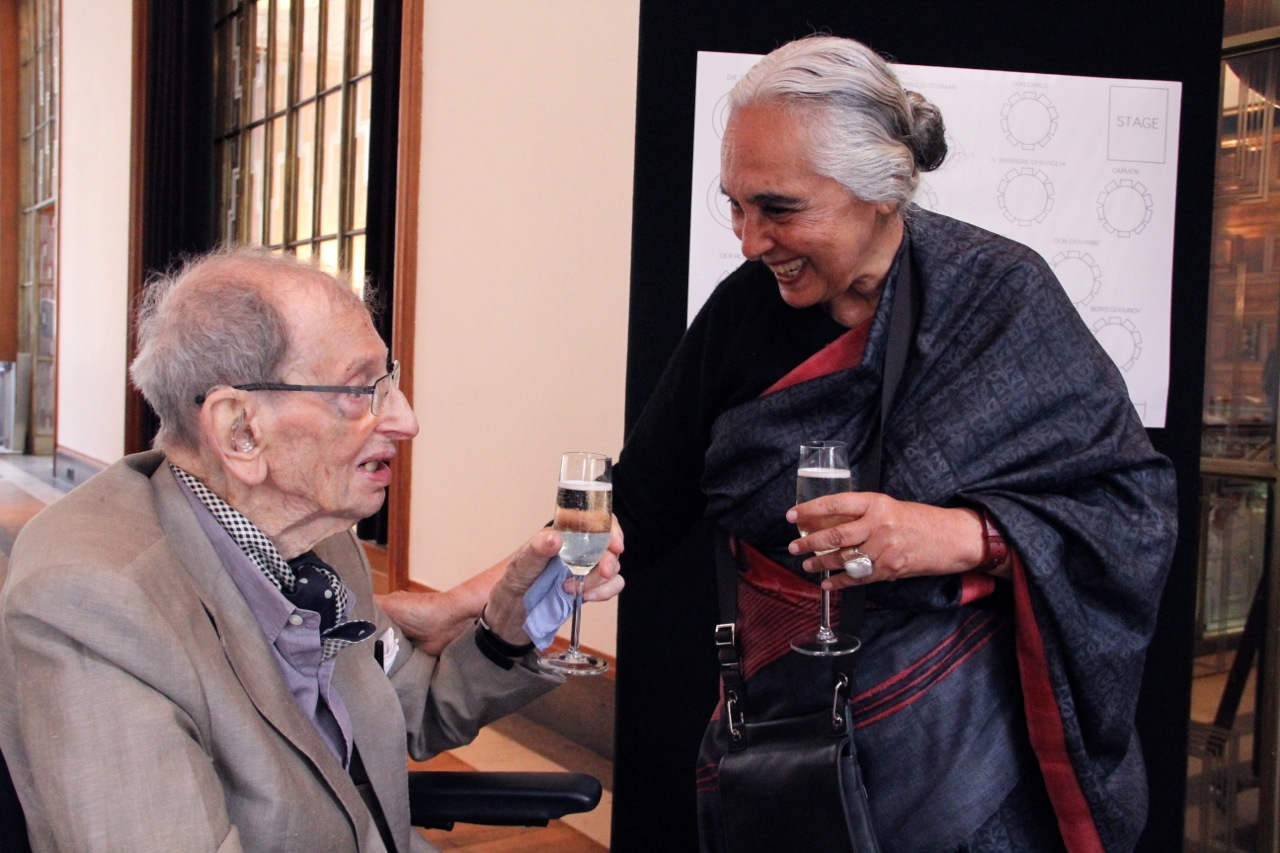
column 505, row 615
column 495, row 648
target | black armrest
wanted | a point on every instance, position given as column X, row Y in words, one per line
column 439, row 798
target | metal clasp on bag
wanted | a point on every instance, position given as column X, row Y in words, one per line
column 734, row 715
column 837, row 718
column 724, row 634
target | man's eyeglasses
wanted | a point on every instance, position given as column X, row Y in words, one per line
column 378, row 392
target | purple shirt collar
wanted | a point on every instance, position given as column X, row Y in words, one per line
column 294, row 634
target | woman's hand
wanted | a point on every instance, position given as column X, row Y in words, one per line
column 903, row 539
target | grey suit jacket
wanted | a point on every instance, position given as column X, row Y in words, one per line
column 142, row 710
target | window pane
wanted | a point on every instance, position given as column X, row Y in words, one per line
column 53, row 152
column 281, row 57
column 260, row 56
column 360, row 156
column 357, row 263
column 43, row 385
column 27, row 173
column 304, row 176
column 235, row 68
column 364, row 57
column 26, row 33
column 276, row 198
column 50, row 154
column 331, row 182
column 41, row 165
column 222, row 186
column 255, row 183
column 1222, row 793
column 303, row 251
column 1241, row 16
column 1242, row 354
column 221, row 93
column 309, row 56
column 335, row 43
column 39, row 102
column 232, row 223
column 329, row 254
column 27, row 112
column 28, row 266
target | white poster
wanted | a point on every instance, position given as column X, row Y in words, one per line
column 1081, row 169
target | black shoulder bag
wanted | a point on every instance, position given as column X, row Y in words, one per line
column 779, row 775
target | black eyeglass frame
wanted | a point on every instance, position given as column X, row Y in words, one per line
column 353, row 390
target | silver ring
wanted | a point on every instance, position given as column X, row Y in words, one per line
column 857, row 564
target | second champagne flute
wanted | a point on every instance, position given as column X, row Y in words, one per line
column 823, row 470
column 584, row 518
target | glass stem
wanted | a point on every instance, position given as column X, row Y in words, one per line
column 579, row 583
column 825, row 628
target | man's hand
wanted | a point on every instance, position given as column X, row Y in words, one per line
column 433, row 619
column 505, row 611
column 604, row 582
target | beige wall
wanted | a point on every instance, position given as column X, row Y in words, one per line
column 524, row 248
column 97, row 51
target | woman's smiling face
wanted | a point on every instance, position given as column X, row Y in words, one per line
column 819, row 239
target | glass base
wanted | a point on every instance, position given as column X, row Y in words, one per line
column 825, row 643
column 573, row 663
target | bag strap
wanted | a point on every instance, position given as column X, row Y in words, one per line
column 902, row 320
column 735, row 693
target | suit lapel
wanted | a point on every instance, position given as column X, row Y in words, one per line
column 370, row 699
column 245, row 646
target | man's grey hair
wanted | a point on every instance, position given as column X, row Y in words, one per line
column 866, row 130
column 215, row 322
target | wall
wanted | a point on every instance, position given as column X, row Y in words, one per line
column 97, row 55
column 523, row 270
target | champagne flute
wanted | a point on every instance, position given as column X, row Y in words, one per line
column 823, row 470
column 584, row 518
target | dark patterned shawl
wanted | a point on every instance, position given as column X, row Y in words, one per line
column 1007, row 403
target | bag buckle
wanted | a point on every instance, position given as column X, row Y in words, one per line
column 734, row 716
column 837, row 718
column 725, row 634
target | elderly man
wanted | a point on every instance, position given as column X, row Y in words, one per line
column 191, row 654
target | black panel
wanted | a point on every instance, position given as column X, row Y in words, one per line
column 380, row 227
column 653, row 810
column 177, row 170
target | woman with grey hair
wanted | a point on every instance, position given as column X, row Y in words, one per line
column 1011, row 550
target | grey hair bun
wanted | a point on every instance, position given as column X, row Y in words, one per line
column 927, row 138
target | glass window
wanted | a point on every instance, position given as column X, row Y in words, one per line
column 1242, row 369
column 292, row 148
column 1242, row 16
column 1222, row 770
column 1228, row 781
column 38, row 230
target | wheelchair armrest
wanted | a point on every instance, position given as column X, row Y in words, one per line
column 439, row 798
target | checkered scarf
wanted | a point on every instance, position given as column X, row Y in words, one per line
column 287, row 576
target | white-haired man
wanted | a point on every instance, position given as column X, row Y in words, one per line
column 191, row 653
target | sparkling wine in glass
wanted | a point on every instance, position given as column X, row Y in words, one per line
column 584, row 518
column 824, row 470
